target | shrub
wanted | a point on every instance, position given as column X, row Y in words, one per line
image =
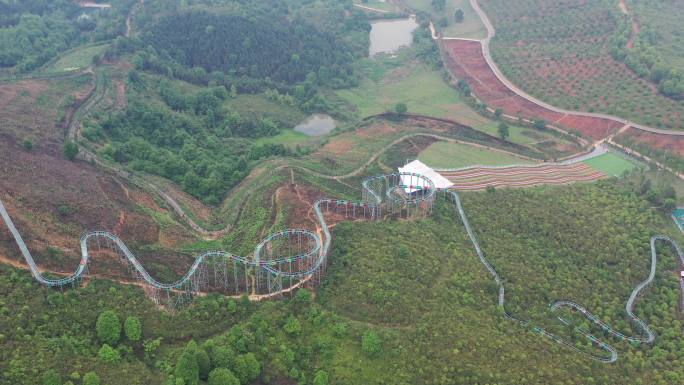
column 222, row 376
column 108, row 354
column 70, row 150
column 321, row 378
column 91, row 378
column 28, row 145
column 108, row 327
column 133, row 328
column 51, row 377
column 371, row 343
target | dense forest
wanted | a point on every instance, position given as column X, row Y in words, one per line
column 33, row 32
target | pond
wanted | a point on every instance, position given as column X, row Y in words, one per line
column 387, row 36
column 316, row 125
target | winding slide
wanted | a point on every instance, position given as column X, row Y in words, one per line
column 397, row 193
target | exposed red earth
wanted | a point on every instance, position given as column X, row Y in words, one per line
column 479, row 178
column 466, row 61
column 662, row 142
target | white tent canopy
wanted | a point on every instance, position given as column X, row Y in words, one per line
column 418, row 167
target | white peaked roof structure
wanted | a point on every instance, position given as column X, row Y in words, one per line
column 418, row 167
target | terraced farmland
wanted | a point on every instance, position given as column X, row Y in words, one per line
column 560, row 53
column 480, row 178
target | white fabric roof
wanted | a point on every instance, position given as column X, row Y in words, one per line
column 420, row 168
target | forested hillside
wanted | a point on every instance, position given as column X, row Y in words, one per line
column 265, row 43
column 33, row 32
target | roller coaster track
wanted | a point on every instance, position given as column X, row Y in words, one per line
column 380, row 192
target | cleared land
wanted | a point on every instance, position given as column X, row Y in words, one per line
column 445, row 155
column 560, row 53
column 479, row 178
column 611, row 164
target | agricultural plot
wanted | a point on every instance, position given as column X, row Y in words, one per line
column 560, row 53
column 465, row 61
column 450, row 155
column 471, row 27
column 480, row 178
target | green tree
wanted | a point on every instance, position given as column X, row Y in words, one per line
column 539, row 124
column 400, row 108
column 371, row 343
column 321, row 378
column 458, row 16
column 203, row 363
column 70, row 150
column 108, row 354
column 91, row 378
column 222, row 376
column 503, row 131
column 108, row 327
column 52, row 377
column 223, row 357
column 247, row 368
column 28, row 145
column 187, row 368
column 292, row 326
column 133, row 328
column 498, row 112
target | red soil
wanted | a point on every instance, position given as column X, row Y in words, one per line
column 466, row 61
column 670, row 143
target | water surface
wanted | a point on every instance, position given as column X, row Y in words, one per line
column 316, row 125
column 387, row 36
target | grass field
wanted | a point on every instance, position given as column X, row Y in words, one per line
column 386, row 84
column 471, row 27
column 611, row 164
column 285, row 137
column 78, row 58
column 456, row 155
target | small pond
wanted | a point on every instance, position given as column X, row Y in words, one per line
column 387, row 36
column 316, row 125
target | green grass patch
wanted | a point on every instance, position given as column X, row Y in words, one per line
column 285, row 137
column 471, row 27
column 77, row 59
column 456, row 155
column 611, row 164
column 260, row 106
column 385, row 84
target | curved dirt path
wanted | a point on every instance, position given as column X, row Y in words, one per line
column 491, row 32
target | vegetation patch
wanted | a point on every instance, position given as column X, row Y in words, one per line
column 443, row 155
column 612, row 164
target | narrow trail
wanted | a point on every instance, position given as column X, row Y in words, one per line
column 636, row 28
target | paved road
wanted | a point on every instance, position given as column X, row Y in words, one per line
column 491, row 32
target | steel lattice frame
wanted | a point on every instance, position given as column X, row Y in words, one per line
column 287, row 259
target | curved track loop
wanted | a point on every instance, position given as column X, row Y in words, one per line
column 301, row 265
column 397, row 193
column 647, row 335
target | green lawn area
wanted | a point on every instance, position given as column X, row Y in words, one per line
column 471, row 27
column 611, row 164
column 78, row 58
column 421, row 88
column 285, row 137
column 260, row 106
column 456, row 155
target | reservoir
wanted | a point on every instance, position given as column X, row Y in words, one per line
column 316, row 125
column 387, row 36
